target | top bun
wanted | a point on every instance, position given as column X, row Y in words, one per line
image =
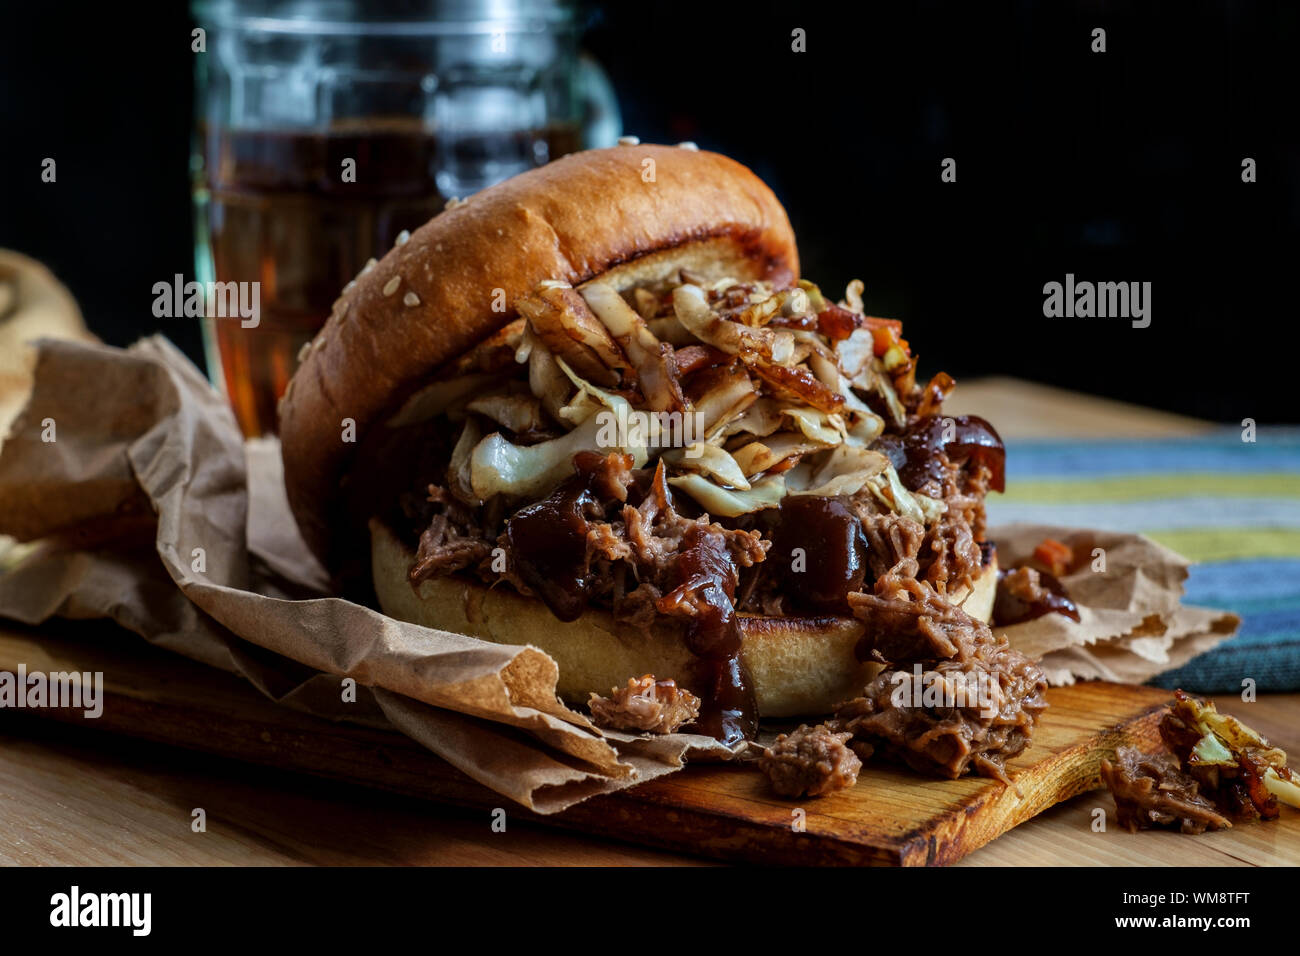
column 431, row 298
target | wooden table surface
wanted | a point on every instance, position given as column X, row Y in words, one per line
column 68, row 796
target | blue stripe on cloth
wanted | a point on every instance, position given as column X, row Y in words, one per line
column 1266, row 648
column 1264, row 591
column 1274, row 669
column 1228, row 584
column 1275, row 449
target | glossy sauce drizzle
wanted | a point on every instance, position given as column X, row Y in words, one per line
column 1009, row 608
column 819, row 552
column 548, row 542
column 915, row 454
column 705, row 595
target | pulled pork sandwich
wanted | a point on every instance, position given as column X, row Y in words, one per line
column 597, row 411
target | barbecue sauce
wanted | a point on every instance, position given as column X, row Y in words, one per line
column 728, row 709
column 549, row 543
column 917, row 454
column 706, row 578
column 1010, row 609
column 819, row 552
column 705, row 594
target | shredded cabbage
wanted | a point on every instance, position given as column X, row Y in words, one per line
column 1223, row 736
column 854, row 356
column 844, row 470
column 581, row 407
column 1285, row 790
column 708, row 460
column 885, row 389
column 668, row 329
column 725, row 401
column 889, row 490
column 766, row 493
column 764, row 453
column 826, row 428
column 761, row 418
column 864, row 425
column 853, row 295
column 545, row 379
column 816, row 301
column 458, row 470
column 500, row 467
column 733, row 338
column 1209, row 750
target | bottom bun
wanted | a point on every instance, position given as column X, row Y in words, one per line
column 800, row 666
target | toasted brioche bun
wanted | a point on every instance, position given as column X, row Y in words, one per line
column 800, row 666
column 432, row 298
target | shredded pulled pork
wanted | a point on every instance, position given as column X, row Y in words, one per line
column 984, row 712
column 891, row 538
column 646, row 705
column 907, row 620
column 632, row 546
column 656, row 535
column 1215, row 770
column 947, row 551
column 1151, row 790
column 811, row 761
column 1024, row 584
column 955, row 696
column 453, row 540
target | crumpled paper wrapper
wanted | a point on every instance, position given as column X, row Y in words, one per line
column 1131, row 624
column 148, row 508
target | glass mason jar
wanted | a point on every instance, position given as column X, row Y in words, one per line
column 324, row 128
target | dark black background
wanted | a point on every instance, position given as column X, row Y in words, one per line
column 1119, row 166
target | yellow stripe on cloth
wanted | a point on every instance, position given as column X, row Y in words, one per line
column 1231, row 544
column 1135, row 487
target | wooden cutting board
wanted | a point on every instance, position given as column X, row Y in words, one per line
column 892, row 817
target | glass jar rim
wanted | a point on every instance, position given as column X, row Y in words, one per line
column 455, row 18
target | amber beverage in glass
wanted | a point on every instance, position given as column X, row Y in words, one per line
column 324, row 130
column 279, row 213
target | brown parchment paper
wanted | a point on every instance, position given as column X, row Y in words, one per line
column 144, row 505
column 1131, row 625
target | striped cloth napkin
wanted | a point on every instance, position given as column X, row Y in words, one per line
column 1229, row 505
